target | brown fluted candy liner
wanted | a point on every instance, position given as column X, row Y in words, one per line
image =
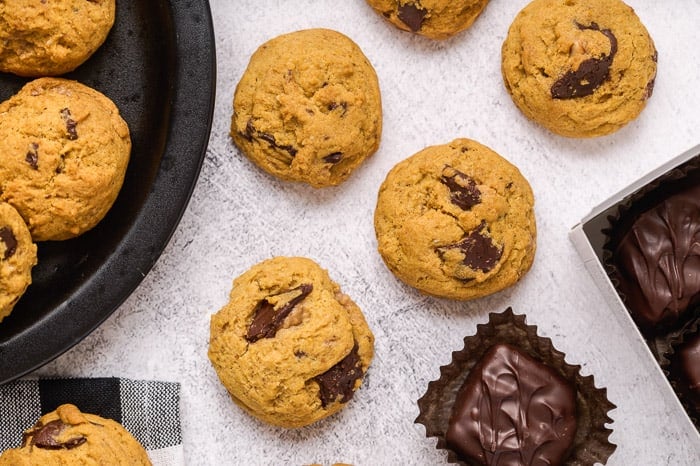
column 590, row 445
column 671, row 365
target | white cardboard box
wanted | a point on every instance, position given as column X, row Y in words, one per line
column 588, row 238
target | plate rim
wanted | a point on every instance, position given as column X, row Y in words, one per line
column 194, row 74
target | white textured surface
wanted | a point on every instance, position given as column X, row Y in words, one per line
column 432, row 92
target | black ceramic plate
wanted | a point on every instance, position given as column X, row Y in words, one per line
column 158, row 66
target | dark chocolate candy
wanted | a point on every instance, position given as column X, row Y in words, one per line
column 480, row 252
column 513, row 411
column 7, row 237
column 46, row 436
column 685, row 368
column 412, row 16
column 338, row 382
column 590, row 74
column 463, row 190
column 268, row 316
column 658, row 261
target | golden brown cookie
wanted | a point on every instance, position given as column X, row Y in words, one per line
column 48, row 38
column 17, row 257
column 436, row 19
column 67, row 437
column 308, row 107
column 456, row 221
column 65, row 152
column 289, row 346
column 580, row 68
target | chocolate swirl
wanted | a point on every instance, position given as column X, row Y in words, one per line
column 590, row 74
column 658, row 261
column 513, row 410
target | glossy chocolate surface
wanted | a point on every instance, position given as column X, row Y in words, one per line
column 658, row 261
column 686, row 370
column 513, row 411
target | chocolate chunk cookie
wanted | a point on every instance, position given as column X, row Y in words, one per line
column 17, row 257
column 48, row 38
column 308, row 107
column 436, row 19
column 456, row 221
column 579, row 68
column 65, row 152
column 289, row 346
column 68, row 437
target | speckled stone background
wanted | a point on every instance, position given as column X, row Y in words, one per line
column 432, row 93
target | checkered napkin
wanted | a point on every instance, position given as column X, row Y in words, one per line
column 149, row 410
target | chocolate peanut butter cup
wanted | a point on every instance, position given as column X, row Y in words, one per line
column 509, row 397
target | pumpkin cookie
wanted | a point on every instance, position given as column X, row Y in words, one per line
column 580, row 68
column 289, row 346
column 48, row 38
column 436, row 19
column 68, row 437
column 456, row 221
column 65, row 152
column 308, row 107
column 17, row 257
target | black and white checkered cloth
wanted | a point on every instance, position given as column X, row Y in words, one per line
column 149, row 410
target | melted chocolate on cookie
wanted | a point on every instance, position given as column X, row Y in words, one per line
column 268, row 317
column 480, row 252
column 512, row 411
column 658, row 261
column 335, row 157
column 71, row 124
column 463, row 190
column 412, row 16
column 7, row 237
column 252, row 133
column 46, row 436
column 32, row 157
column 590, row 74
column 338, row 382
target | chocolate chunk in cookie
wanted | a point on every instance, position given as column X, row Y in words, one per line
column 308, row 108
column 321, row 349
column 456, row 221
